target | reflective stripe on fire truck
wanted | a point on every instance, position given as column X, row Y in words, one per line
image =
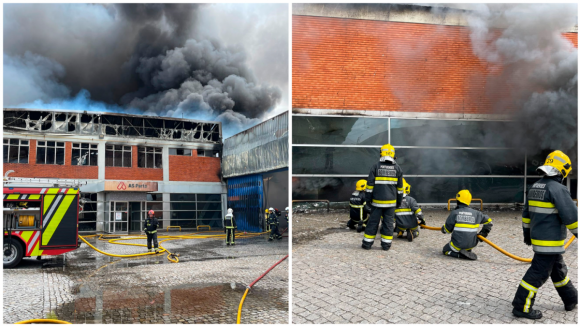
column 56, row 214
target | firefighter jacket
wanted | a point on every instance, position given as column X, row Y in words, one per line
column 549, row 210
column 406, row 215
column 151, row 225
column 229, row 221
column 385, row 185
column 464, row 222
column 272, row 218
column 357, row 204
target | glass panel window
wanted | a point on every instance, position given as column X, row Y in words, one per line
column 50, row 152
column 450, row 133
column 84, row 154
column 209, row 206
column 180, row 151
column 340, row 131
column 207, row 153
column 117, row 155
column 15, row 151
column 149, row 157
column 423, row 189
column 209, row 197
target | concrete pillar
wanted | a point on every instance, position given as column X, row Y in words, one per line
column 165, row 162
column 166, row 208
column 101, row 216
column 101, row 160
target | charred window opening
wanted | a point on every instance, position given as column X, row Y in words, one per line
column 149, row 157
column 72, row 126
column 15, row 151
column 50, row 152
column 84, row 154
column 118, row 155
column 180, row 151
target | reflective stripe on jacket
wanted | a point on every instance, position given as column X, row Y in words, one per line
column 385, row 185
column 548, row 212
column 464, row 223
column 406, row 214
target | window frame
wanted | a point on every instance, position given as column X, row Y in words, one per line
column 123, row 150
column 7, row 142
column 80, row 149
column 143, row 152
column 45, row 144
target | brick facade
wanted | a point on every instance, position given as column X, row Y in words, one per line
column 355, row 64
column 194, row 168
column 181, row 168
column 67, row 171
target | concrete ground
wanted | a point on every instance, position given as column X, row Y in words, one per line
column 206, row 286
column 335, row 281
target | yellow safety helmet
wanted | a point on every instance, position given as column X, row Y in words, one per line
column 556, row 163
column 464, row 196
column 361, row 185
column 388, row 150
column 406, row 186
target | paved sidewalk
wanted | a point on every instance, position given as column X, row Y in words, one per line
column 335, row 281
column 206, row 286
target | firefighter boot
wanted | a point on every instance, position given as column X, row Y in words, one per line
column 360, row 228
column 400, row 234
column 367, row 245
column 410, row 235
column 415, row 233
column 467, row 254
column 386, row 246
column 570, row 307
column 533, row 314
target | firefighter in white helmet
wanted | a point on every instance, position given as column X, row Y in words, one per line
column 408, row 216
column 287, row 211
column 548, row 212
column 230, row 227
column 384, row 193
column 464, row 222
column 273, row 221
column 358, row 215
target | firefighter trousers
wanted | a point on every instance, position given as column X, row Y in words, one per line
column 274, row 233
column 152, row 237
column 387, row 216
column 230, row 235
column 543, row 267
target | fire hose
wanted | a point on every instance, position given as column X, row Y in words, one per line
column 42, row 321
column 172, row 257
column 252, row 284
column 525, row 260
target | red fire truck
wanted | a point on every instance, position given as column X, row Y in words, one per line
column 39, row 221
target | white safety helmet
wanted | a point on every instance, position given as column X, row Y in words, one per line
column 230, row 211
column 271, row 209
column 287, row 209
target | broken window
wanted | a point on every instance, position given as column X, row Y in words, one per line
column 118, row 155
column 15, row 151
column 180, row 151
column 84, row 154
column 50, row 152
column 207, row 153
column 149, row 157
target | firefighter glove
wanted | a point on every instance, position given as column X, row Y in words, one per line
column 443, row 229
column 421, row 220
column 368, row 208
column 528, row 239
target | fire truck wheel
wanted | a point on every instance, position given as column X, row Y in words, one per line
column 13, row 253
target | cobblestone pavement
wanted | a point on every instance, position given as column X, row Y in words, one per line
column 206, row 286
column 336, row 281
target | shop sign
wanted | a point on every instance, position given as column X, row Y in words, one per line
column 130, row 186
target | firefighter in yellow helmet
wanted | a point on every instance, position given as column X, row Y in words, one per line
column 408, row 216
column 548, row 212
column 464, row 222
column 358, row 215
column 384, row 193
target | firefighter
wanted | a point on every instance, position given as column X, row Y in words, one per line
column 409, row 216
column 384, row 193
column 358, row 215
column 287, row 211
column 548, row 211
column 273, row 221
column 151, row 224
column 464, row 222
column 230, row 226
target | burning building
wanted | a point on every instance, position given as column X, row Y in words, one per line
column 125, row 164
column 472, row 97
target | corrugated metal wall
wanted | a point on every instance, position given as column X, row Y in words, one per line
column 245, row 197
column 261, row 148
